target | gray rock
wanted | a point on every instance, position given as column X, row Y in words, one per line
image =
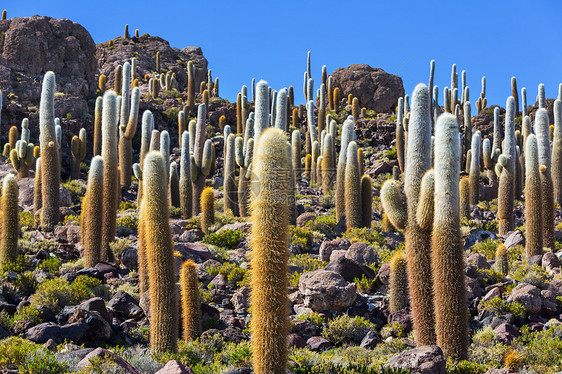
column 362, row 253
column 506, row 333
column 45, row 331
column 240, row 299
column 318, row 344
column 326, row 290
column 476, row 236
column 478, row 260
column 175, row 367
column 327, row 247
column 98, row 330
column 103, row 353
column 527, row 295
column 427, row 359
column 514, row 238
column 188, row 250
column 550, row 261
column 350, row 269
column 124, row 305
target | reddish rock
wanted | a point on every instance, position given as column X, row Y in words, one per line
column 175, row 367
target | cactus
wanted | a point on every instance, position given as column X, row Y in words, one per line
column 97, row 126
column 185, row 178
column 165, row 151
column 400, row 134
column 403, row 215
column 25, row 130
column 281, row 117
column 37, row 189
column 515, row 94
column 398, row 283
column 366, row 200
column 78, row 150
column 474, row 174
column 328, row 164
column 111, row 192
column 557, row 153
column 464, row 192
column 190, row 85
column 118, row 79
column 352, row 188
column 244, row 160
column 424, row 213
column 307, row 166
column 447, row 258
column 174, row 184
column 147, row 127
column 91, row 217
column 467, row 127
column 239, row 112
column 506, row 189
column 296, row 156
column 190, row 304
column 154, row 216
column 202, row 158
column 157, row 62
column 337, row 99
column 13, row 136
column 355, row 109
column 348, row 135
column 269, row 264
column 21, row 158
column 543, row 142
column 205, row 98
column 126, row 33
column 9, row 221
column 541, row 98
column 230, row 188
column 207, row 209
column 533, row 199
column 154, row 88
column 4, row 15
column 501, row 264
column 50, row 180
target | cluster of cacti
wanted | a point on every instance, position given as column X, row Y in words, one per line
column 78, row 149
column 542, row 132
column 202, row 158
column 482, row 102
column 21, row 157
column 127, row 129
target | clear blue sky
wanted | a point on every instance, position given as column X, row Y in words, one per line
column 270, row 39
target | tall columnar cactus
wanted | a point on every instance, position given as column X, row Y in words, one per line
column 4, row 15
column 190, row 303
column 207, row 209
column 366, row 201
column 97, row 125
column 296, row 156
column 270, row 243
column 127, row 130
column 37, row 189
column 118, row 79
column 165, row 150
column 102, row 81
column 337, row 99
column 541, row 98
column 533, row 199
column 464, row 191
column 557, row 153
column 147, row 127
column 352, row 188
column 506, row 165
column 347, row 135
column 230, row 188
column 400, row 133
column 543, row 141
column 50, row 164
column 9, row 220
column 174, row 183
column 190, row 85
column 13, row 136
column 239, row 112
column 307, row 166
column 328, row 164
column 154, row 215
column 201, row 161
column 398, row 283
column 451, row 319
column 244, row 160
column 78, row 150
column 111, row 191
column 402, row 215
column 91, row 218
column 515, row 94
column 502, row 264
column 281, row 117
column 355, row 109
column 467, row 127
column 474, row 174
column 185, row 178
column 21, row 158
column 313, row 166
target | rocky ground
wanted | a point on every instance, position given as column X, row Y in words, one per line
column 57, row 316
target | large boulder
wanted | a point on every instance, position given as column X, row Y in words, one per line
column 427, row 359
column 375, row 88
column 326, row 290
column 527, row 295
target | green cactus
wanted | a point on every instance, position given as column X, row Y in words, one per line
column 154, row 216
column 111, row 191
column 322, row 108
column 207, row 209
column 21, row 158
column 398, row 283
column 557, row 153
column 314, row 160
column 542, row 132
column 50, row 180
column 355, row 109
column 533, row 199
column 202, row 158
column 515, row 94
column 402, row 215
column 424, row 213
column 353, row 209
column 541, row 98
column 464, row 191
column 9, row 221
column 190, row 303
column 165, row 150
column 447, row 259
column 506, row 162
column 347, row 135
column 366, row 200
column 296, row 156
column 118, row 79
column 97, row 125
column 269, row 264
column 230, row 188
column 91, row 217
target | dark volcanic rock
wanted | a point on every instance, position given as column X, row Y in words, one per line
column 375, row 88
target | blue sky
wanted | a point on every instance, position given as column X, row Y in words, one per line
column 270, row 39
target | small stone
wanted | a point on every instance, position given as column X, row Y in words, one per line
column 318, row 344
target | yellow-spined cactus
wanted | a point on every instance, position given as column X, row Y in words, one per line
column 190, row 304
column 9, row 220
column 398, row 283
column 207, row 209
column 91, row 218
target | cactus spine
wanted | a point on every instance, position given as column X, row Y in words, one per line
column 244, row 160
column 207, row 209
column 451, row 319
column 158, row 243
column 91, row 219
column 352, row 188
column 270, row 243
column 543, row 142
column 190, row 304
column 50, row 180
column 111, row 190
column 533, row 199
column 230, row 188
column 506, row 190
column 398, row 283
column 296, row 156
column 400, row 134
column 9, row 221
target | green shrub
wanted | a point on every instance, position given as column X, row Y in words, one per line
column 77, row 190
column 365, row 235
column 313, row 317
column 14, row 351
column 230, row 270
column 128, row 223
column 324, row 224
column 28, row 313
column 51, row 265
column 500, row 306
column 347, row 330
column 301, row 237
column 532, row 274
column 42, row 361
column 27, row 220
column 54, row 294
column 71, row 218
column 465, row 367
column 224, row 239
column 307, row 263
column 175, row 212
column 119, row 246
column 487, row 248
column 126, row 205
